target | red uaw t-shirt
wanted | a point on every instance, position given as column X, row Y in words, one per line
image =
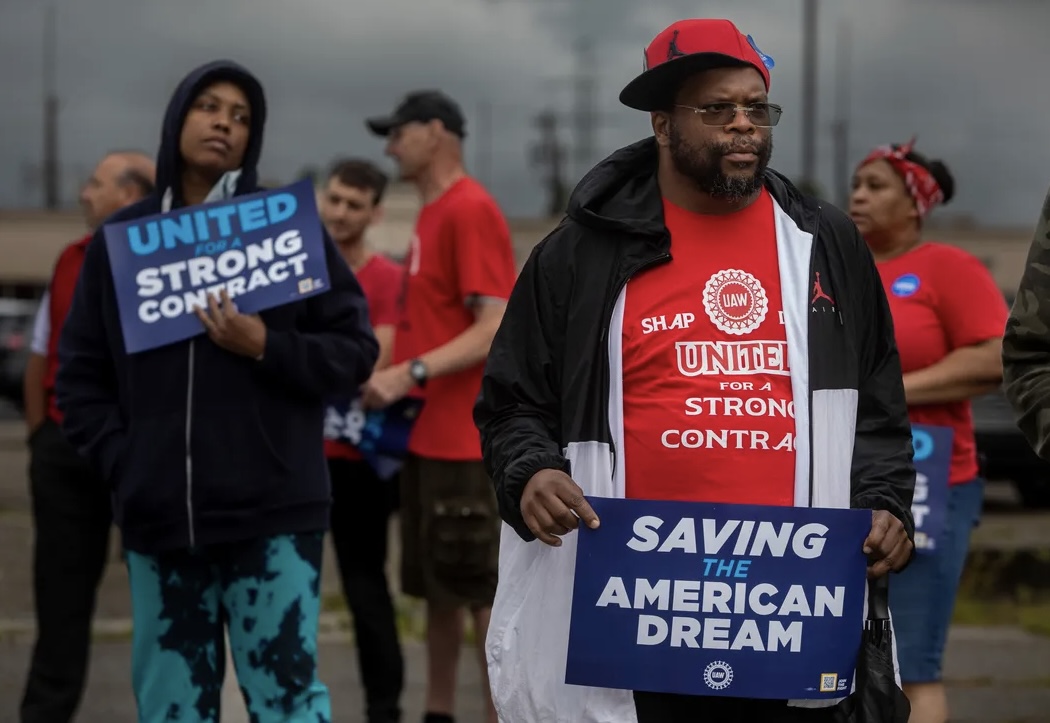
column 941, row 299
column 707, row 402
column 461, row 249
column 381, row 279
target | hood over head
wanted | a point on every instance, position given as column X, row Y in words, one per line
column 621, row 193
column 169, row 158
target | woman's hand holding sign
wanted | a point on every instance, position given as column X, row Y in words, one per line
column 243, row 334
column 887, row 545
column 552, row 505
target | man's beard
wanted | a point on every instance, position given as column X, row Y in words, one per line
column 703, row 165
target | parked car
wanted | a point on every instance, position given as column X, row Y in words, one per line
column 16, row 332
column 1004, row 452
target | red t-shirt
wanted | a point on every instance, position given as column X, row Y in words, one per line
column 461, row 249
column 707, row 403
column 60, row 293
column 381, row 279
column 943, row 298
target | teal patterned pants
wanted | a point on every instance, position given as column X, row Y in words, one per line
column 267, row 592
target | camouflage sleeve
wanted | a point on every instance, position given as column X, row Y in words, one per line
column 1026, row 343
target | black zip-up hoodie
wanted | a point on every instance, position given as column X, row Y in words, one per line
column 201, row 445
column 547, row 379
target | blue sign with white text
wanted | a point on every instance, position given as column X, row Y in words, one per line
column 933, row 464
column 380, row 435
column 714, row 599
column 265, row 249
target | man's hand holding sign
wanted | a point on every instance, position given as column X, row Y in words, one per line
column 553, row 505
column 887, row 545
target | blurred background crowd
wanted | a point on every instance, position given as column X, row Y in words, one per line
column 537, row 80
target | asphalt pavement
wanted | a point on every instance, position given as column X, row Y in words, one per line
column 997, row 674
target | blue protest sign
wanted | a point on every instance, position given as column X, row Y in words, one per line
column 714, row 599
column 265, row 249
column 933, row 464
column 380, row 435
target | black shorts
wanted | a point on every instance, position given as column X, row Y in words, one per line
column 450, row 528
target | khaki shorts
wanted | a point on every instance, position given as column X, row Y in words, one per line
column 450, row 528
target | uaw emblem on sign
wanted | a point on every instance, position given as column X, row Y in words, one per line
column 735, row 301
column 718, row 675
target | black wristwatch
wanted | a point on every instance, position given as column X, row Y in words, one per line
column 418, row 371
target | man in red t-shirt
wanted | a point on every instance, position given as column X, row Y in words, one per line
column 460, row 274
column 696, row 329
column 71, row 506
column 362, row 502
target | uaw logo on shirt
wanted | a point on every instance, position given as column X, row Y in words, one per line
column 735, row 301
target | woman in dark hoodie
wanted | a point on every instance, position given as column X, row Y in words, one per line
column 212, row 446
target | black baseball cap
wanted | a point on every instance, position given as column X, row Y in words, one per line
column 422, row 106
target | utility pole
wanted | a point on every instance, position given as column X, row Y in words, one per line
column 548, row 154
column 585, row 115
column 809, row 91
column 51, row 169
column 30, row 182
column 483, row 154
column 841, row 125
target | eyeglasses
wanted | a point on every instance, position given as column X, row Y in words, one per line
column 763, row 115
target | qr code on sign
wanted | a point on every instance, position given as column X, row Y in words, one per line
column 828, row 682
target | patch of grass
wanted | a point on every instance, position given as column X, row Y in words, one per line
column 410, row 616
column 111, row 636
column 412, row 621
column 1033, row 616
column 983, row 681
column 333, row 602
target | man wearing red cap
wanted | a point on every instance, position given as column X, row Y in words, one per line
column 689, row 270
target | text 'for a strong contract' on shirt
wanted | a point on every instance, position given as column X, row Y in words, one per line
column 727, row 358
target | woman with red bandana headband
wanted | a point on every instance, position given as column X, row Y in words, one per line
column 949, row 318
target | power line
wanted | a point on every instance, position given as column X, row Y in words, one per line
column 841, row 125
column 483, row 152
column 585, row 114
column 586, row 119
column 548, row 154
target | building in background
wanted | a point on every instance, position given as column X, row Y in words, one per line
column 31, row 240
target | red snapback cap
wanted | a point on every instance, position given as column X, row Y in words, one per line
column 687, row 47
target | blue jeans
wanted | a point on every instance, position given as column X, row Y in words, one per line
column 267, row 592
column 922, row 597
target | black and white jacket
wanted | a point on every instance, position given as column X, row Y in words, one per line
column 552, row 398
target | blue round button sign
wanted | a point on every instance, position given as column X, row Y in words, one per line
column 905, row 285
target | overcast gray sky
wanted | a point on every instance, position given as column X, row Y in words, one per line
column 968, row 76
